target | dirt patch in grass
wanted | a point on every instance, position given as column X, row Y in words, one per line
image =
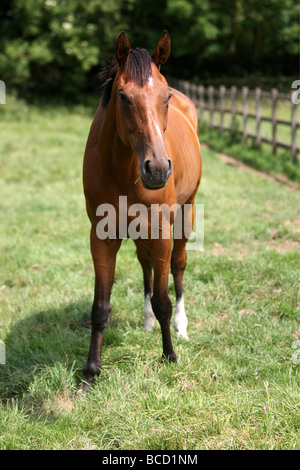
column 218, row 250
column 284, row 246
column 229, row 160
column 293, row 225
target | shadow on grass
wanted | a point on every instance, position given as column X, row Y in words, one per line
column 53, row 337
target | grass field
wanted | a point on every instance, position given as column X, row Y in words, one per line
column 236, row 383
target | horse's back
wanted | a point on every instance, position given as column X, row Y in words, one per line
column 186, row 106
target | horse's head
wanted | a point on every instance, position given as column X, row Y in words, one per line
column 143, row 96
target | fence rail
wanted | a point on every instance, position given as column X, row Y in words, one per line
column 210, row 100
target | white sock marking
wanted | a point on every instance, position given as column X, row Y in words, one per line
column 149, row 317
column 180, row 319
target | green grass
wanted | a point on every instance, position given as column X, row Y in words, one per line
column 235, row 385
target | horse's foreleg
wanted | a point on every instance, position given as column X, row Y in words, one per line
column 104, row 257
column 161, row 303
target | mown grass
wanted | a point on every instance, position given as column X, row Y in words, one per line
column 235, row 385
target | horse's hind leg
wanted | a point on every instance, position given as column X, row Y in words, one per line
column 144, row 257
column 178, row 264
column 161, row 303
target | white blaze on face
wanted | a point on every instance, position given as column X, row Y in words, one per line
column 149, row 317
column 180, row 319
column 155, row 125
column 157, row 128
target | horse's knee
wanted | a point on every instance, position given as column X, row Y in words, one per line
column 162, row 307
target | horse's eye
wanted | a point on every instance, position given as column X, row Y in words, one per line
column 124, row 98
column 169, row 97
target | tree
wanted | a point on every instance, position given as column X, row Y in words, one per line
column 57, row 46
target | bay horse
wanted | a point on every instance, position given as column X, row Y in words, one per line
column 142, row 144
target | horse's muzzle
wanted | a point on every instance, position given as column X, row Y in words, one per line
column 155, row 175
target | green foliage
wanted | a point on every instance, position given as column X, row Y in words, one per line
column 56, row 46
column 50, row 46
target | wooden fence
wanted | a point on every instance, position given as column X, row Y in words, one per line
column 223, row 101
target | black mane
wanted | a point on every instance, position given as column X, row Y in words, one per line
column 138, row 66
column 106, row 78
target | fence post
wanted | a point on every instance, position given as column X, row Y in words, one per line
column 274, row 119
column 211, row 106
column 201, row 101
column 233, row 106
column 204, row 99
column 186, row 86
column 258, row 117
column 245, row 111
column 294, row 132
column 222, row 106
column 194, row 94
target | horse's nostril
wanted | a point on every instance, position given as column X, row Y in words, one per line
column 170, row 166
column 147, row 169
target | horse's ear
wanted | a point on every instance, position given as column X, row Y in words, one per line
column 162, row 51
column 122, row 49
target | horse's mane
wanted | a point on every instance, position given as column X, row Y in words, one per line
column 138, row 66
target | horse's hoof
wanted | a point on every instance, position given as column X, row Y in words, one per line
column 169, row 357
column 182, row 334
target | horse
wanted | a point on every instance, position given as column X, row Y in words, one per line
column 143, row 144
